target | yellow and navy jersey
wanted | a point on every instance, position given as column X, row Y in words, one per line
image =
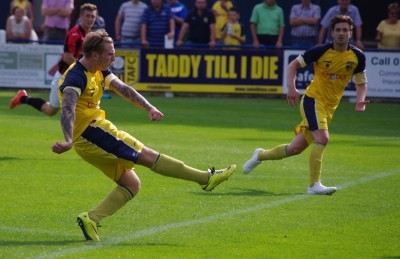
column 332, row 71
column 72, row 44
column 233, row 29
column 221, row 16
column 90, row 87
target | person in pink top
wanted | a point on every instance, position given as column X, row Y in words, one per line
column 57, row 14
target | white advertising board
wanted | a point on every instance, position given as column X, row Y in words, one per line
column 383, row 73
column 27, row 65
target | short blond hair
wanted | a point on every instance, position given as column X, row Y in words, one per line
column 95, row 41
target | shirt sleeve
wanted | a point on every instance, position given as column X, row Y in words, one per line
column 292, row 12
column 211, row 18
column 182, row 14
column 254, row 15
column 121, row 10
column 74, row 79
column 360, row 78
column 281, row 20
column 108, row 77
column 317, row 12
column 69, row 4
column 145, row 16
column 357, row 17
column 326, row 19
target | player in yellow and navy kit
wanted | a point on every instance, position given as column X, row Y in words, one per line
column 101, row 144
column 334, row 65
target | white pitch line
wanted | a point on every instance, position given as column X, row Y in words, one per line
column 154, row 230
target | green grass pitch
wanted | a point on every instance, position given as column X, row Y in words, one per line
column 265, row 214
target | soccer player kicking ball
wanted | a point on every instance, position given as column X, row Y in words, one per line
column 334, row 63
column 101, row 144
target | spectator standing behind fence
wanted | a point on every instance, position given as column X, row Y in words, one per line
column 179, row 12
column 232, row 32
column 57, row 16
column 267, row 24
column 127, row 22
column 201, row 24
column 25, row 5
column 388, row 31
column 343, row 8
column 304, row 20
column 220, row 10
column 19, row 26
column 157, row 22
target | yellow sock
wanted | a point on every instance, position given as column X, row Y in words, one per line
column 275, row 153
column 115, row 200
column 316, row 155
column 171, row 167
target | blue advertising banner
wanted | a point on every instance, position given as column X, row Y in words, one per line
column 201, row 70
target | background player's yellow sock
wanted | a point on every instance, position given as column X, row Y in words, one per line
column 169, row 166
column 316, row 154
column 275, row 153
column 115, row 200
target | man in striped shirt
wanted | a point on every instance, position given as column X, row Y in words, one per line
column 304, row 20
column 127, row 22
column 157, row 21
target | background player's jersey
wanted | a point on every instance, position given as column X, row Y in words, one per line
column 72, row 44
column 332, row 71
column 90, row 87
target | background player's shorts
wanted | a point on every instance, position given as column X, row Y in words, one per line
column 315, row 116
column 54, row 100
column 107, row 148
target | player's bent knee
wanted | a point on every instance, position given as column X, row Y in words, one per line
column 294, row 151
column 134, row 186
column 148, row 157
column 131, row 181
column 49, row 110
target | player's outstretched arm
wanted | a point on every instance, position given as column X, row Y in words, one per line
column 70, row 98
column 293, row 94
column 361, row 92
column 131, row 95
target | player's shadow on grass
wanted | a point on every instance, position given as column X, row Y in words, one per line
column 247, row 192
column 41, row 243
column 6, row 158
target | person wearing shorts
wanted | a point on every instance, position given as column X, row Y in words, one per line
column 335, row 63
column 100, row 143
